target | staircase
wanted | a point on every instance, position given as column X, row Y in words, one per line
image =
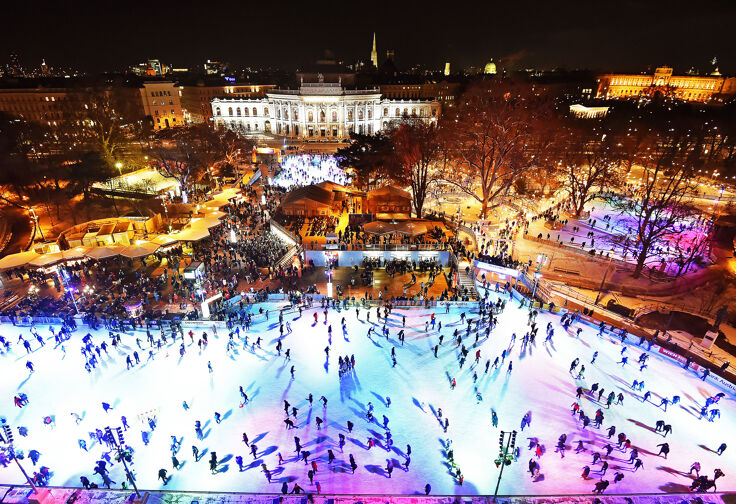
column 465, row 280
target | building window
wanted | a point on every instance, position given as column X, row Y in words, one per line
column 265, row 111
column 237, row 111
column 255, row 112
column 334, row 116
column 310, row 117
column 385, row 112
column 398, row 113
column 230, row 111
column 360, row 114
column 321, row 116
column 370, row 114
column 350, row 115
column 245, row 110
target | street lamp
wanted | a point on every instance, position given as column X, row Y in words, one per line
column 11, row 450
column 505, row 456
column 118, row 443
column 119, row 166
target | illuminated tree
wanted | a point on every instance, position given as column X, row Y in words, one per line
column 493, row 139
column 660, row 206
column 106, row 120
column 188, row 154
column 417, row 150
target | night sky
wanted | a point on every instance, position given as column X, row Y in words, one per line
column 623, row 35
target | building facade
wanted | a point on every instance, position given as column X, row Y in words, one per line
column 162, row 103
column 681, row 87
column 321, row 110
column 54, row 102
column 196, row 98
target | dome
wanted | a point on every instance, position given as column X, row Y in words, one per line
column 490, row 68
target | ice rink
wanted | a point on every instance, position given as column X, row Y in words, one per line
column 418, row 386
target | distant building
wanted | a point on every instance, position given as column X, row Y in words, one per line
column 663, row 83
column 444, row 92
column 583, row 112
column 150, row 68
column 196, row 97
column 490, row 68
column 447, row 68
column 162, row 103
column 54, row 101
column 215, row 68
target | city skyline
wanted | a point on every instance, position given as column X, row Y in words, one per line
column 635, row 36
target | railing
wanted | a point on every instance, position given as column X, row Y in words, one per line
column 289, row 235
column 28, row 320
column 378, row 247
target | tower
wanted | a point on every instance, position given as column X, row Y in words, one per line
column 374, row 53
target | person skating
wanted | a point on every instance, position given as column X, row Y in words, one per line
column 586, row 472
column 162, row 476
column 721, row 449
column 353, row 465
column 695, row 467
column 664, row 449
column 601, row 486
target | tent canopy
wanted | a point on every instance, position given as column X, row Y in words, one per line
column 140, row 250
column 19, row 259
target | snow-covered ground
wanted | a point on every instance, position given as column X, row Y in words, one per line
column 539, row 383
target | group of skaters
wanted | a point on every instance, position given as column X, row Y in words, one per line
column 465, row 344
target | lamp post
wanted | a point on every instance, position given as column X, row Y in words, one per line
column 9, row 440
column 118, row 444
column 505, row 456
column 119, row 166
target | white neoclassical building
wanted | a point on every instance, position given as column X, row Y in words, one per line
column 318, row 110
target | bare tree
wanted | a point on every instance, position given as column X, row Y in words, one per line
column 660, row 205
column 589, row 162
column 187, row 154
column 417, row 150
column 493, row 139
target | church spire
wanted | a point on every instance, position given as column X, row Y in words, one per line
column 374, row 53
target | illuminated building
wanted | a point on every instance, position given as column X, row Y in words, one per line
column 162, row 102
column 196, row 98
column 447, row 68
column 318, row 110
column 56, row 101
column 583, row 112
column 663, row 83
column 444, row 92
column 490, row 68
